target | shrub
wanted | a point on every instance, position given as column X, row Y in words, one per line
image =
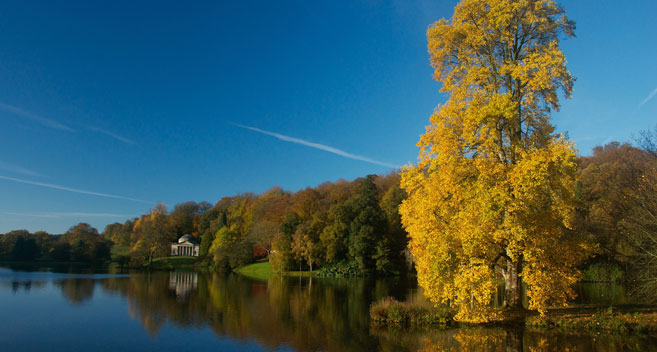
column 390, row 312
column 340, row 269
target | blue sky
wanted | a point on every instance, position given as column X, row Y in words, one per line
column 109, row 107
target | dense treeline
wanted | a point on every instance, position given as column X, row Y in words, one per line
column 354, row 227
column 348, row 228
column 617, row 191
column 81, row 243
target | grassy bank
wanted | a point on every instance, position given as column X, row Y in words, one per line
column 259, row 271
column 262, row 271
column 388, row 312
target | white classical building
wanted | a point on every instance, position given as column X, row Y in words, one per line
column 187, row 246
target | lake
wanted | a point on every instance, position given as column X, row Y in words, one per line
column 78, row 309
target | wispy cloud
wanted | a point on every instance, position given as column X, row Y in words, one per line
column 74, row 190
column 649, row 97
column 56, row 125
column 56, row 214
column 113, row 135
column 40, row 119
column 318, row 146
column 19, row 170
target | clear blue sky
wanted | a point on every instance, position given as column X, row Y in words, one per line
column 108, row 106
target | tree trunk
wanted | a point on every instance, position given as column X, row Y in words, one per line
column 513, row 284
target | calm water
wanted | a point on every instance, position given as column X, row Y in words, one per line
column 184, row 311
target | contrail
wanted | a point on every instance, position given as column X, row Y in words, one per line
column 323, row 147
column 649, row 97
column 30, row 116
column 54, row 214
column 19, row 170
column 74, row 190
column 113, row 135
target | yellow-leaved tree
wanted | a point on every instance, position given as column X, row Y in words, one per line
column 493, row 193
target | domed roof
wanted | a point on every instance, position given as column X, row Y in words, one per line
column 185, row 238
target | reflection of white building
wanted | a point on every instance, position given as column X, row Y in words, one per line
column 187, row 246
column 182, row 282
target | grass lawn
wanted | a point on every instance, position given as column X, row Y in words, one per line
column 260, row 271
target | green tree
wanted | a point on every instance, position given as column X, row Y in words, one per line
column 211, row 221
column 25, row 248
column 8, row 240
column 45, row 242
column 230, row 250
column 80, row 251
column 335, row 235
column 367, row 229
column 61, row 251
column 396, row 236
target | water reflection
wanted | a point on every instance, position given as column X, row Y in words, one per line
column 182, row 282
column 309, row 314
column 509, row 339
column 25, row 285
column 77, row 291
column 303, row 314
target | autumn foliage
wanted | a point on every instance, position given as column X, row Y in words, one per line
column 492, row 195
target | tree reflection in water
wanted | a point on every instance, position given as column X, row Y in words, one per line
column 77, row 290
column 307, row 314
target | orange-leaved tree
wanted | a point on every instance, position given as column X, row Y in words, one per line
column 493, row 193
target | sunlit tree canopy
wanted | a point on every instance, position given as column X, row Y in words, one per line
column 492, row 195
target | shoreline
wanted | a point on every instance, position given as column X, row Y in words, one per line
column 623, row 319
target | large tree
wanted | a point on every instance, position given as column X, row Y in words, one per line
column 367, row 231
column 154, row 234
column 85, row 243
column 493, row 192
column 185, row 216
